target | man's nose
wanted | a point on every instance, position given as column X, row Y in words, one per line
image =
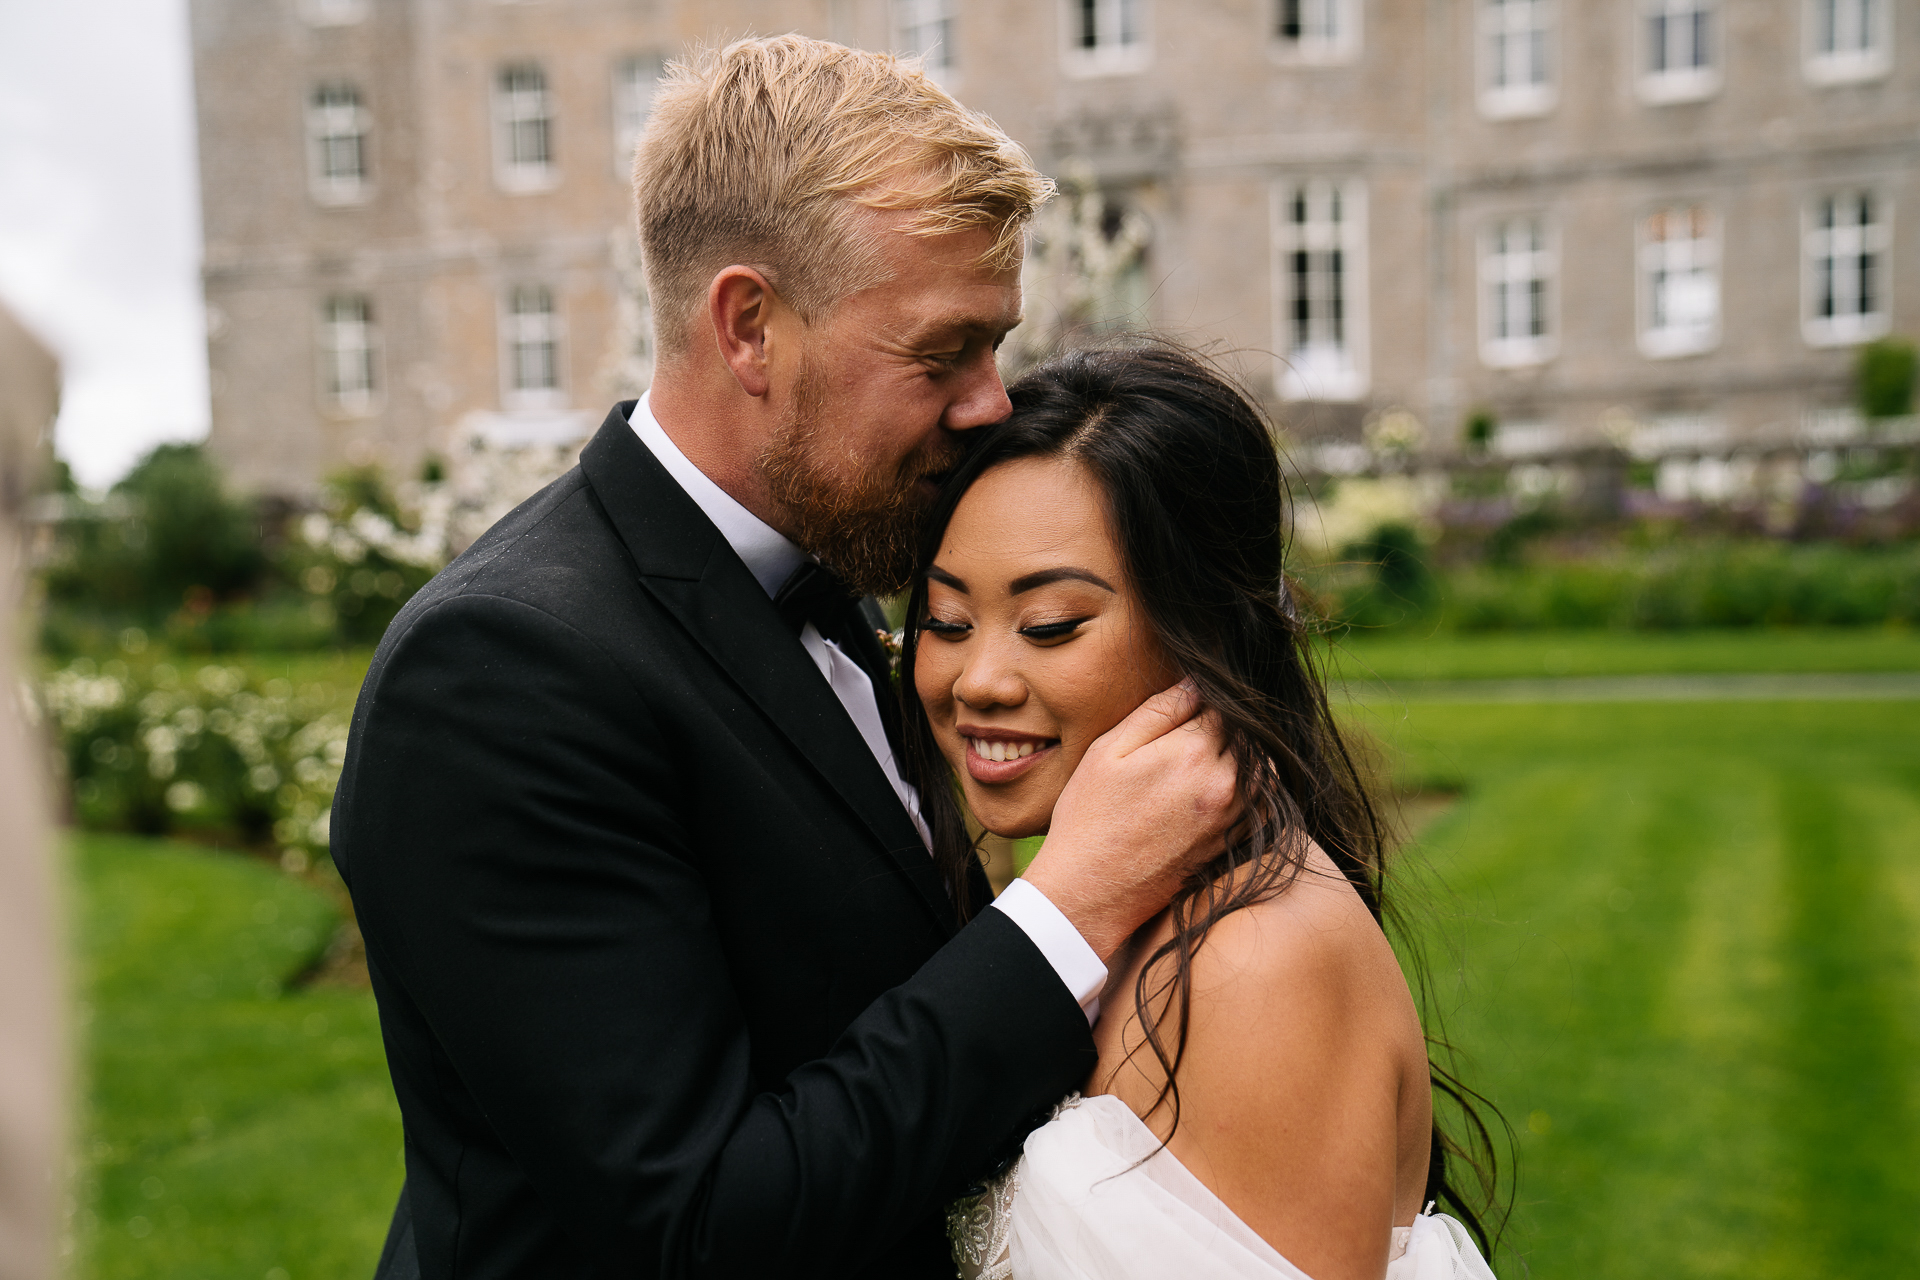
column 983, row 401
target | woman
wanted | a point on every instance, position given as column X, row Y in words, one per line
column 1261, row 1103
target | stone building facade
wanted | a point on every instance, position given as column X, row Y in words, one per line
column 1660, row 222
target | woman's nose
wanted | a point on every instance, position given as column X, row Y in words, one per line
column 990, row 679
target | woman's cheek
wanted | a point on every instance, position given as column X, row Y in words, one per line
column 933, row 684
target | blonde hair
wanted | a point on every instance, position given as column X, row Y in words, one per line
column 764, row 152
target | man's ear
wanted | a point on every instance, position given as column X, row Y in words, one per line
column 740, row 305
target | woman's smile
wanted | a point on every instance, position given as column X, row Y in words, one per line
column 1001, row 755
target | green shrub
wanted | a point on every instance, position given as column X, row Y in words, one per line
column 1478, row 430
column 152, row 748
column 170, row 557
column 1883, row 376
column 169, row 539
column 1401, row 586
column 1675, row 587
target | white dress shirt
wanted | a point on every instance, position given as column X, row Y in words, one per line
column 771, row 559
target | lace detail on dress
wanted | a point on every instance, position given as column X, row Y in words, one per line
column 980, row 1227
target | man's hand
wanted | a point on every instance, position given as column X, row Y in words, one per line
column 1150, row 803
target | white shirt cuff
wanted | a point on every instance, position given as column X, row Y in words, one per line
column 1072, row 959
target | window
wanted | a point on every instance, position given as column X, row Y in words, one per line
column 347, row 377
column 634, row 82
column 1846, row 240
column 1516, row 58
column 337, row 128
column 1679, row 56
column 1517, row 269
column 1679, row 282
column 1319, row 238
column 1106, row 37
column 1316, row 30
column 924, row 28
column 1848, row 40
column 333, row 13
column 532, row 342
column 523, row 121
column 1528, row 438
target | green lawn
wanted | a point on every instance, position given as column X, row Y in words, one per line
column 1509, row 654
column 1679, row 943
column 233, row 1127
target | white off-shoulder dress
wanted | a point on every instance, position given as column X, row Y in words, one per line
column 1094, row 1197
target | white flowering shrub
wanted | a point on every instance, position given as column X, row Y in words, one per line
column 491, row 477
column 1082, row 273
column 153, row 748
column 368, row 549
column 371, row 545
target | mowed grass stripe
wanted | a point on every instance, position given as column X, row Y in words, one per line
column 1583, row 934
column 1649, row 1038
column 1850, row 1040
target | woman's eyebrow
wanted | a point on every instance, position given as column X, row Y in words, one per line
column 1044, row 576
column 937, row 574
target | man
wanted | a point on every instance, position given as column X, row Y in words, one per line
column 669, row 982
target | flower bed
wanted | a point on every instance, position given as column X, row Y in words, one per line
column 215, row 749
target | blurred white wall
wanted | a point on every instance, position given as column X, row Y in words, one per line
column 32, row 1062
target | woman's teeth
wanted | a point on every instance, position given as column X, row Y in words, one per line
column 1000, row 750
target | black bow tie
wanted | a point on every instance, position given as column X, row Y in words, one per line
column 813, row 593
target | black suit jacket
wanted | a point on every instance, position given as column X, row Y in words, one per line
column 668, row 984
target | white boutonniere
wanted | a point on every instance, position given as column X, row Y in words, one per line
column 891, row 642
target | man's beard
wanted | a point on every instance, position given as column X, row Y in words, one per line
column 866, row 529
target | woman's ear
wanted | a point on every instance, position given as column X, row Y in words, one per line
column 740, row 305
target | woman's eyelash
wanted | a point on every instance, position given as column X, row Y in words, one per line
column 1053, row 630
column 940, row 628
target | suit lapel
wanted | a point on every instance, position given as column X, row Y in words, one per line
column 689, row 568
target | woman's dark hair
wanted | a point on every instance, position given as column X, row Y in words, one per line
column 1196, row 500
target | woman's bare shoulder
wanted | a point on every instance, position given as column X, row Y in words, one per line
column 1313, row 949
column 1304, row 1041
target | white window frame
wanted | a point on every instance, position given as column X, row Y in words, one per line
column 336, row 112
column 515, row 107
column 1823, row 245
column 1325, row 367
column 924, row 29
column 1672, row 263
column 333, row 13
column 635, row 79
column 1679, row 28
column 524, row 326
column 1528, row 438
column 1869, row 22
column 1123, row 37
column 1502, row 273
column 1330, row 31
column 1498, row 23
column 349, row 351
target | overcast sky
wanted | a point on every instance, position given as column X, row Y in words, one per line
column 100, row 219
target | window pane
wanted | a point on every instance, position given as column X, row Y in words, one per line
column 337, row 127
column 346, row 340
column 525, row 118
column 533, row 340
column 924, row 28
column 634, row 83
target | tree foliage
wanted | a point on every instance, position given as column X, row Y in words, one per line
column 168, row 537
